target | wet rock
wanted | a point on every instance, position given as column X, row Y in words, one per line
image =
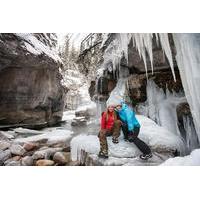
column 12, row 159
column 17, row 149
column 183, row 109
column 4, row 145
column 61, row 158
column 44, row 163
column 45, row 153
column 79, row 121
column 67, row 149
column 137, row 88
column 27, row 161
column 30, row 146
column 4, row 155
column 13, row 163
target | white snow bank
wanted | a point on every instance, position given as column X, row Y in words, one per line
column 35, row 46
column 192, row 159
column 155, row 136
column 68, row 115
column 53, row 135
column 89, row 106
column 26, row 131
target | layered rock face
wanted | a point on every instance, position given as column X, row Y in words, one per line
column 30, row 81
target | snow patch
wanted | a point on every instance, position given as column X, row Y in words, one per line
column 191, row 160
column 36, row 47
column 53, row 135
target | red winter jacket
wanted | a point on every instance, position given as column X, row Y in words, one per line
column 107, row 123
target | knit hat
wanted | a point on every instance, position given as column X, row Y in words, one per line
column 114, row 101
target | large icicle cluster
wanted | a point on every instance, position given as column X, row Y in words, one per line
column 142, row 42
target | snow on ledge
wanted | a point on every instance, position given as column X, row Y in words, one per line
column 158, row 138
column 191, row 160
column 36, row 47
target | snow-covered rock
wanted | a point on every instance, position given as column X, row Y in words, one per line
column 4, row 145
column 45, row 153
column 190, row 160
column 50, row 135
column 162, row 142
column 17, row 150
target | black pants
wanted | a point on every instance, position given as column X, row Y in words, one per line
column 133, row 137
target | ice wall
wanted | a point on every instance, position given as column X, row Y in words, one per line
column 188, row 59
column 161, row 107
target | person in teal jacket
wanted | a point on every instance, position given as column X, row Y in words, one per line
column 131, row 129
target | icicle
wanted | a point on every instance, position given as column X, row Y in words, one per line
column 139, row 43
column 164, row 40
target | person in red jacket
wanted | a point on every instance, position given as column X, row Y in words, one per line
column 110, row 126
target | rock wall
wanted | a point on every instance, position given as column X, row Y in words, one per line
column 30, row 81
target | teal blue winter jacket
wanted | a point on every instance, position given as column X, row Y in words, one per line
column 127, row 115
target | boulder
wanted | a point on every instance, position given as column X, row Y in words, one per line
column 61, row 158
column 45, row 153
column 30, row 146
column 4, row 155
column 13, row 163
column 31, row 92
column 17, row 149
column 12, row 160
column 4, row 145
column 44, row 162
column 27, row 161
column 79, row 121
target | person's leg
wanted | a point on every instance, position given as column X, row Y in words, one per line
column 103, row 143
column 142, row 146
column 116, row 131
column 125, row 131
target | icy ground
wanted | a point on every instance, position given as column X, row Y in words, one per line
column 161, row 141
column 190, row 160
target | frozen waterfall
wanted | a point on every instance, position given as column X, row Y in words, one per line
column 188, row 52
column 188, row 60
column 161, row 107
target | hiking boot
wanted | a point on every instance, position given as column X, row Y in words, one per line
column 115, row 140
column 103, row 155
column 145, row 156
